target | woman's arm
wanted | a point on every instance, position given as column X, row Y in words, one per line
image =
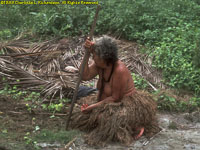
column 91, row 71
column 85, row 108
column 118, row 90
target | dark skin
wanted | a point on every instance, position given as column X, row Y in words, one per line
column 120, row 85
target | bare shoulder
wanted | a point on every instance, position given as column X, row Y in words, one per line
column 121, row 68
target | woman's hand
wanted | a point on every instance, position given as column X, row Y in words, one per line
column 85, row 108
column 89, row 45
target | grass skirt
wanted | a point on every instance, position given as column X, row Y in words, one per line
column 117, row 121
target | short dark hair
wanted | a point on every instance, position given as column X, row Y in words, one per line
column 106, row 48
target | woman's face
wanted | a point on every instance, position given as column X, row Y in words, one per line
column 98, row 61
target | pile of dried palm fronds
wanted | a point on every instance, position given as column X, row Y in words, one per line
column 40, row 66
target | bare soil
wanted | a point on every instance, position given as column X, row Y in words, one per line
column 16, row 122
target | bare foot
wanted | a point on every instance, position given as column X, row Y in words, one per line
column 140, row 134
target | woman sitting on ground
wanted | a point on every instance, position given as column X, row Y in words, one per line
column 120, row 113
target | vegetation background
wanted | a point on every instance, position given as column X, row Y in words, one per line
column 169, row 30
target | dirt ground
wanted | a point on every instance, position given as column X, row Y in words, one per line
column 18, row 127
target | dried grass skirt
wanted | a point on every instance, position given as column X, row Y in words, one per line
column 117, row 121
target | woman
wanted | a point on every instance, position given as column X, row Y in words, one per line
column 120, row 113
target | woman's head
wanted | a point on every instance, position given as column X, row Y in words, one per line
column 106, row 48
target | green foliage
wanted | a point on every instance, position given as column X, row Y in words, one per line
column 174, row 56
column 17, row 94
column 196, row 57
column 167, row 103
column 170, row 29
column 139, row 82
column 142, row 20
column 170, row 103
column 29, row 141
column 5, row 34
column 11, row 91
column 57, row 20
column 194, row 103
column 32, row 96
column 55, row 106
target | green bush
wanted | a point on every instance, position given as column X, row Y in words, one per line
column 196, row 57
column 174, row 56
column 169, row 29
column 139, row 82
column 168, row 102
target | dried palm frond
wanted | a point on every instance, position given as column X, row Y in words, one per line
column 12, row 71
column 27, row 80
column 36, row 65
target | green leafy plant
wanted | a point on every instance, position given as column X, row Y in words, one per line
column 30, row 141
column 168, row 102
column 139, row 82
column 55, row 107
column 32, row 96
